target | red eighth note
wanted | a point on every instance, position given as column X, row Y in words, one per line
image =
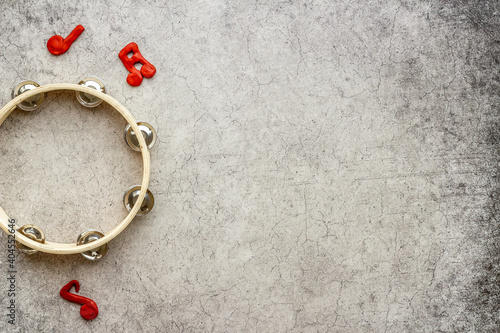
column 57, row 45
column 135, row 76
column 89, row 309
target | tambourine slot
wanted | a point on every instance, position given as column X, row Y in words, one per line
column 148, row 133
column 32, row 232
column 86, row 99
column 89, row 236
column 131, row 198
column 30, row 103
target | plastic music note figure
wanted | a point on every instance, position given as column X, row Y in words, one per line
column 89, row 308
column 57, row 45
column 135, row 76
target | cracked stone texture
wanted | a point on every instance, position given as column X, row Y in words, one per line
column 322, row 166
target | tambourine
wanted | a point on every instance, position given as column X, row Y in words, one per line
column 138, row 200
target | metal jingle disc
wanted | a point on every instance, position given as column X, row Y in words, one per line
column 131, row 196
column 87, row 99
column 32, row 103
column 148, row 132
column 33, row 232
column 89, row 236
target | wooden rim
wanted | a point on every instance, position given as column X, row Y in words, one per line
column 69, row 248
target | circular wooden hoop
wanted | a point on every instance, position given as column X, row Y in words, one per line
column 68, row 248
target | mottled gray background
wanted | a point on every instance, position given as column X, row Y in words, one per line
column 323, row 166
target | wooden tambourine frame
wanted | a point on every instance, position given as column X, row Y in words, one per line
column 68, row 248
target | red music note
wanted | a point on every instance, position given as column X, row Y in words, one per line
column 135, row 76
column 57, row 45
column 89, row 309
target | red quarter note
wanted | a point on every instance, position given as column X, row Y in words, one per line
column 57, row 45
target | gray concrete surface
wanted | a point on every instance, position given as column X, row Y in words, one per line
column 323, row 166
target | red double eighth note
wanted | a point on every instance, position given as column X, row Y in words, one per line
column 135, row 76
